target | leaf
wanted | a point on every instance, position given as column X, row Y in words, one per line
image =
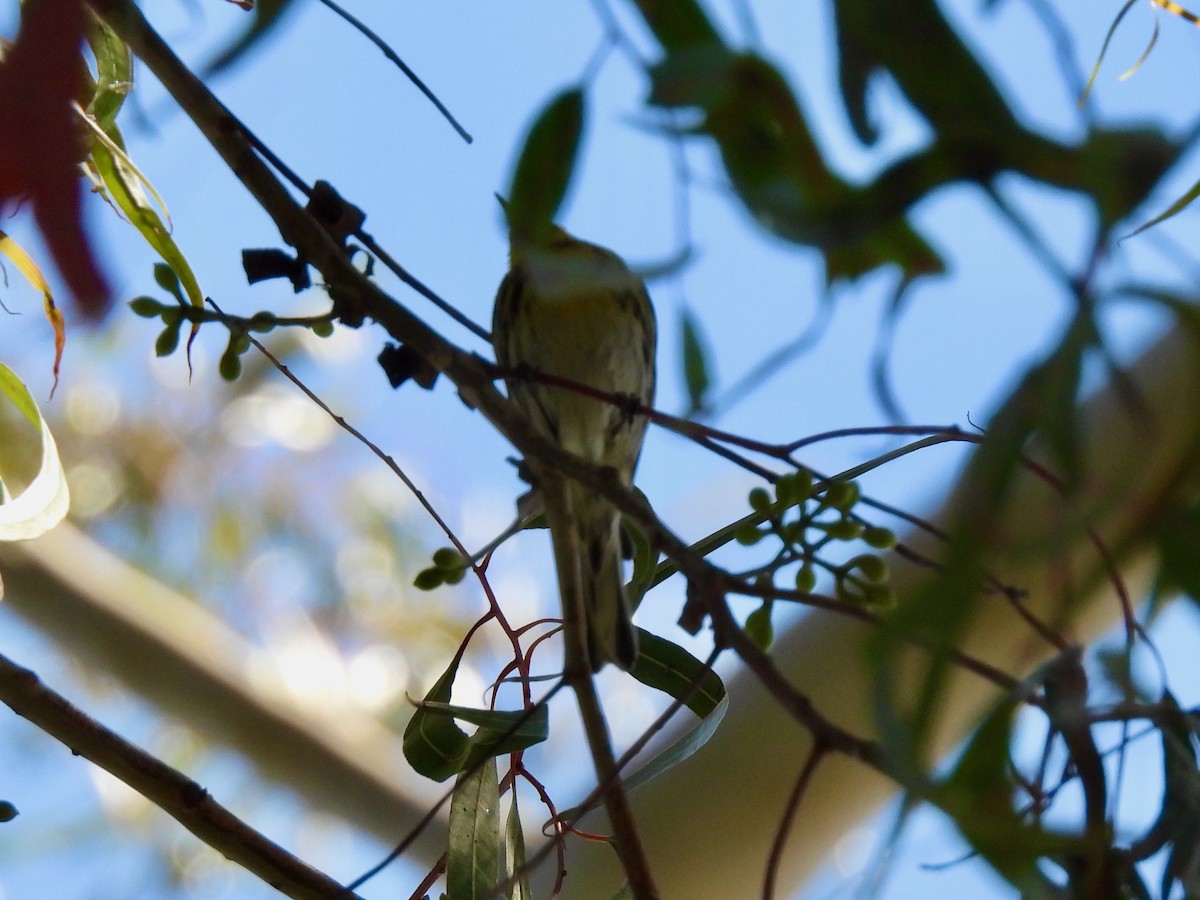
column 268, row 14
column 667, row 667
column 1178, row 533
column 127, row 187
column 546, row 164
column 473, row 855
column 44, row 501
column 1174, row 209
column 514, row 852
column 676, row 752
column 697, row 377
column 678, row 23
column 499, row 732
column 114, row 72
column 27, row 267
column 40, row 77
column 433, row 745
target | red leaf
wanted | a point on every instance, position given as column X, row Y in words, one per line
column 40, row 142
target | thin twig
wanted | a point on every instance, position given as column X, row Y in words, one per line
column 395, row 59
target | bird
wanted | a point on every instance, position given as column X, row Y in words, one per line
column 575, row 311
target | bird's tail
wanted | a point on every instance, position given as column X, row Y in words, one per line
column 592, row 549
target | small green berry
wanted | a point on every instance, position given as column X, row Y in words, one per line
column 759, row 628
column 842, row 495
column 844, row 529
column 262, row 321
column 873, row 569
column 879, row 538
column 760, row 500
column 428, row 579
column 322, row 329
column 447, row 558
column 806, row 579
column 748, row 535
column 230, row 364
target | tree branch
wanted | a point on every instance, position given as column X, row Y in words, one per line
column 187, row 802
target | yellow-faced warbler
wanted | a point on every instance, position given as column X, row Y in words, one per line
column 574, row 311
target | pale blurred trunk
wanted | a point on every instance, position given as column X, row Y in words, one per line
column 709, row 823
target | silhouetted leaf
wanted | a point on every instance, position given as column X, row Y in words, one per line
column 544, row 169
column 267, row 15
column 697, row 376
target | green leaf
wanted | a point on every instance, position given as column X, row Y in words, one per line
column 759, row 627
column 473, row 854
column 43, row 502
column 676, row 752
column 8, row 812
column 678, row 23
column 697, row 377
column 433, row 744
column 669, row 668
column 544, row 169
column 1178, row 532
column 514, row 852
column 127, row 187
column 168, row 340
column 114, row 72
column 500, row 731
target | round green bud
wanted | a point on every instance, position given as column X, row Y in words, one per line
column 843, row 529
column 262, row 321
column 795, row 487
column 748, row 535
column 446, row 558
column 842, row 495
column 879, row 538
column 760, row 500
column 428, row 579
column 806, row 579
column 322, row 328
column 230, row 364
column 759, row 628
column 873, row 569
